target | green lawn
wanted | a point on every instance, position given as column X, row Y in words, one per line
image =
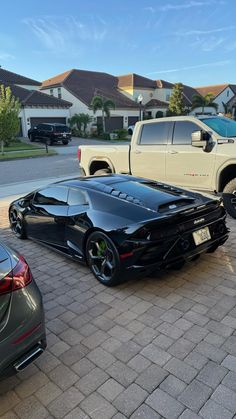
column 20, row 145
column 26, row 154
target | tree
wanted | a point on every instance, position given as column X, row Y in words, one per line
column 85, row 119
column 199, row 101
column 176, row 105
column 9, row 116
column 75, row 120
column 103, row 104
column 81, row 122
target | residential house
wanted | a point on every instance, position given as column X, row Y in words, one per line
column 156, row 93
column 222, row 94
column 80, row 86
column 36, row 106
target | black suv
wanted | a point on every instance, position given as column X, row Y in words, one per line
column 52, row 133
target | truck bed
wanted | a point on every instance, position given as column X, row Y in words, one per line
column 117, row 156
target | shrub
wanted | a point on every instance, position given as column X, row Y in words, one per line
column 121, row 133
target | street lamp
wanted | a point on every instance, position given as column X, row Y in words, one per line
column 140, row 99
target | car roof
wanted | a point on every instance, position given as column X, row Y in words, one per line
column 52, row 123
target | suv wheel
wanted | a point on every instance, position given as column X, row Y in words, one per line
column 31, row 137
column 65, row 142
column 229, row 197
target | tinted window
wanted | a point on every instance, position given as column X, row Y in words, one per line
column 156, row 133
column 183, row 131
column 47, row 127
column 61, row 128
column 77, row 197
column 51, row 196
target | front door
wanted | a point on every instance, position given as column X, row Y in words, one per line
column 148, row 154
column 48, row 215
column 186, row 165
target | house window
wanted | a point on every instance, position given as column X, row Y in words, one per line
column 167, row 97
column 59, row 93
column 227, row 93
column 51, row 92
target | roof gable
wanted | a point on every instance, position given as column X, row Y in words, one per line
column 13, row 78
column 214, row 89
column 36, row 98
column 84, row 85
column 135, row 80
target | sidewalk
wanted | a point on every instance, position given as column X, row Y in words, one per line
column 13, row 191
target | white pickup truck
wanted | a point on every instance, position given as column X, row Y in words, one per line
column 196, row 153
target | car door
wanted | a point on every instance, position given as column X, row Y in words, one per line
column 78, row 220
column 187, row 165
column 148, row 154
column 47, row 215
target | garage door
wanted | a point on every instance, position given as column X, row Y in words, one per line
column 132, row 120
column 36, row 121
column 115, row 122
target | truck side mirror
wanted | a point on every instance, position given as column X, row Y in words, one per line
column 200, row 138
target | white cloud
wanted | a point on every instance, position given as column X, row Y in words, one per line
column 62, row 34
column 204, row 31
column 4, row 56
column 188, row 5
column 192, row 67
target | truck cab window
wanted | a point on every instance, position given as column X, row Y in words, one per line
column 183, row 131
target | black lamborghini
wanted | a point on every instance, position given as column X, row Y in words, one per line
column 119, row 224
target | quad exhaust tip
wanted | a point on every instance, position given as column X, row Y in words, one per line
column 30, row 357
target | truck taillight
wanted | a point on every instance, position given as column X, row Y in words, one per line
column 19, row 277
column 79, row 154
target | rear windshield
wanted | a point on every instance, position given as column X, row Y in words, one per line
column 223, row 126
column 61, row 128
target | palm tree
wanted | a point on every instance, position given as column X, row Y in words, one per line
column 75, row 120
column 85, row 119
column 105, row 105
column 199, row 101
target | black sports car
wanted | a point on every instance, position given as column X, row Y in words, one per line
column 119, row 224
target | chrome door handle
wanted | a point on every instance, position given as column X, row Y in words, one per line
column 173, row 152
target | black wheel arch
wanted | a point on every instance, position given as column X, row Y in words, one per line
column 100, row 164
column 226, row 175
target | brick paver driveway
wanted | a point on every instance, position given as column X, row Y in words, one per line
column 158, row 347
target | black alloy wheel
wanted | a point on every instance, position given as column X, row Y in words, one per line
column 17, row 223
column 103, row 258
column 65, row 142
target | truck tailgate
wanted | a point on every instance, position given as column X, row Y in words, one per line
column 116, row 155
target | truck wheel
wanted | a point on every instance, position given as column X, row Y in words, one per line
column 32, row 138
column 229, row 198
column 102, row 172
column 65, row 142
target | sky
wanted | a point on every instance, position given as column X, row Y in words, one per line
column 188, row 41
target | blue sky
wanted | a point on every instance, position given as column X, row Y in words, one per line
column 192, row 41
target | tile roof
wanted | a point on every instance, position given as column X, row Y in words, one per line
column 87, row 84
column 9, row 77
column 36, row 98
column 215, row 89
column 156, row 103
column 134, row 80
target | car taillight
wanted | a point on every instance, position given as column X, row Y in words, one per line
column 79, row 154
column 19, row 277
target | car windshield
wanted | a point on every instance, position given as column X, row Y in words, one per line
column 223, row 126
column 61, row 128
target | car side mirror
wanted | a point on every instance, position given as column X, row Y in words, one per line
column 200, row 138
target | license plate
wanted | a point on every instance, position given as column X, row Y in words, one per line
column 64, row 135
column 201, row 236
